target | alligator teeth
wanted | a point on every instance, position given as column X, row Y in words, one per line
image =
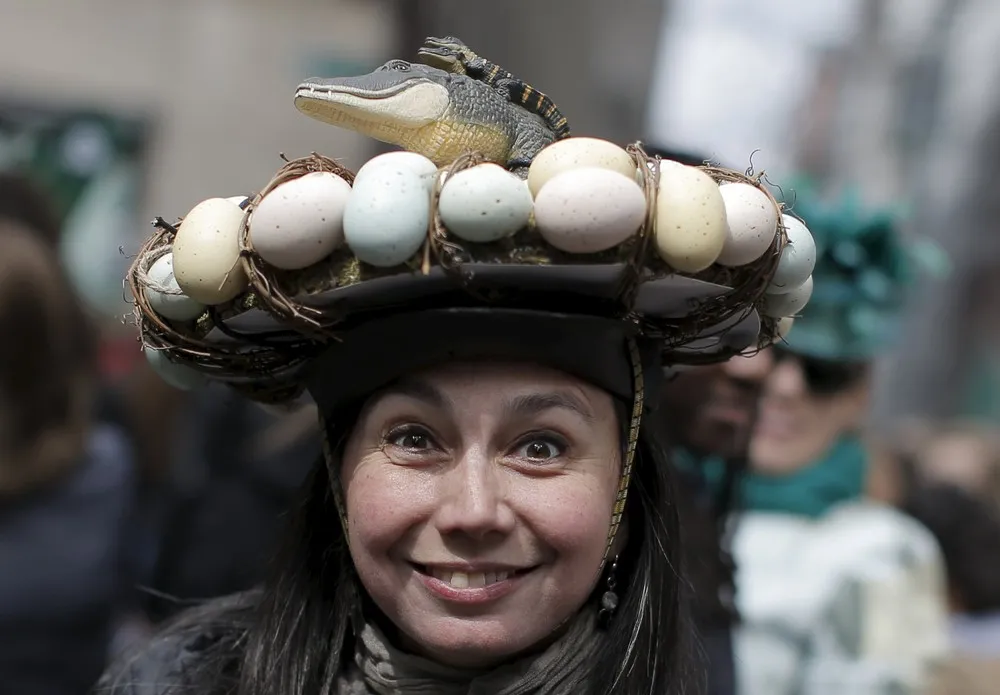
column 474, row 580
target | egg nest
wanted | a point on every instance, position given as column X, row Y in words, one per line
column 305, row 329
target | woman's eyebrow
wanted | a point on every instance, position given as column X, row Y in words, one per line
column 535, row 403
column 419, row 390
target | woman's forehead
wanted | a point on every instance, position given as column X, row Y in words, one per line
column 492, row 382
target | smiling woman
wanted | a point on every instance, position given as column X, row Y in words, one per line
column 492, row 515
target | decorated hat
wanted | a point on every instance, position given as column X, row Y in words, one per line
column 492, row 233
column 863, row 270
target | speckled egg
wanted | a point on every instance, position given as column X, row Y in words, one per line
column 752, row 219
column 417, row 163
column 788, row 303
column 484, row 203
column 207, row 252
column 179, row 376
column 165, row 296
column 798, row 257
column 387, row 215
column 691, row 226
column 300, row 222
column 238, row 200
column 577, row 153
column 589, row 210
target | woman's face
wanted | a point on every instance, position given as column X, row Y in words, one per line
column 797, row 423
column 479, row 499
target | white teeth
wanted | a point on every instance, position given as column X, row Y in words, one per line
column 463, row 580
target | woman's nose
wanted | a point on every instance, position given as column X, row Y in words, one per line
column 473, row 498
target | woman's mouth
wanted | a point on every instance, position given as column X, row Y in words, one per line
column 470, row 586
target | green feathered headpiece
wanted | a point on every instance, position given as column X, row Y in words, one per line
column 864, row 268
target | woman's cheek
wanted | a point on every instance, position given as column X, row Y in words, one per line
column 383, row 501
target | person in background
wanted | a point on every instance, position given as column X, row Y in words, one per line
column 708, row 412
column 967, row 527
column 65, row 482
column 837, row 592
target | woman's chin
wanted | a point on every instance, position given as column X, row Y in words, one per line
column 473, row 643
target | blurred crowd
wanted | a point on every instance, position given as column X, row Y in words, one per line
column 825, row 556
column 126, row 501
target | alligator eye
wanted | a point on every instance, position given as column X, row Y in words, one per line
column 398, row 65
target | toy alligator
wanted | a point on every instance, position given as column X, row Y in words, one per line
column 441, row 114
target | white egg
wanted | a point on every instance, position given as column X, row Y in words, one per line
column 788, row 303
column 207, row 253
column 179, row 376
column 164, row 294
column 589, row 210
column 300, row 222
column 577, row 153
column 484, row 203
column 752, row 223
column 387, row 215
column 417, row 163
column 238, row 200
column 798, row 257
column 691, row 226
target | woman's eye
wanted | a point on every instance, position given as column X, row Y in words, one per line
column 540, row 450
column 411, row 439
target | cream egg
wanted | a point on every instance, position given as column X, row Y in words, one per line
column 207, row 254
column 300, row 222
column 691, row 226
column 576, row 153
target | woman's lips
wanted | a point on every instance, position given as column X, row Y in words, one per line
column 469, row 587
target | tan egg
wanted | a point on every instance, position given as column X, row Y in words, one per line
column 785, row 324
column 788, row 303
column 577, row 153
column 589, row 210
column 752, row 218
column 691, row 226
column 300, row 222
column 206, row 252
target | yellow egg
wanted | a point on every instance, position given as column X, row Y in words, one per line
column 206, row 252
column 691, row 227
column 784, row 326
column 577, row 153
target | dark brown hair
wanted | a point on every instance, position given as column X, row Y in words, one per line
column 46, row 370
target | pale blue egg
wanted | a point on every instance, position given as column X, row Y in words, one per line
column 387, row 214
column 164, row 294
column 485, row 203
column 798, row 258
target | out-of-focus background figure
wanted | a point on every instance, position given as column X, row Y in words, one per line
column 124, row 500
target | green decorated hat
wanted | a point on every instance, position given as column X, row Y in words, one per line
column 864, row 269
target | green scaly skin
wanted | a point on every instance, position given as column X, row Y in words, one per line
column 438, row 114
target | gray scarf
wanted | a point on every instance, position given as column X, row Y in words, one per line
column 381, row 669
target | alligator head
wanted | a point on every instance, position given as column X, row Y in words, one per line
column 423, row 109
